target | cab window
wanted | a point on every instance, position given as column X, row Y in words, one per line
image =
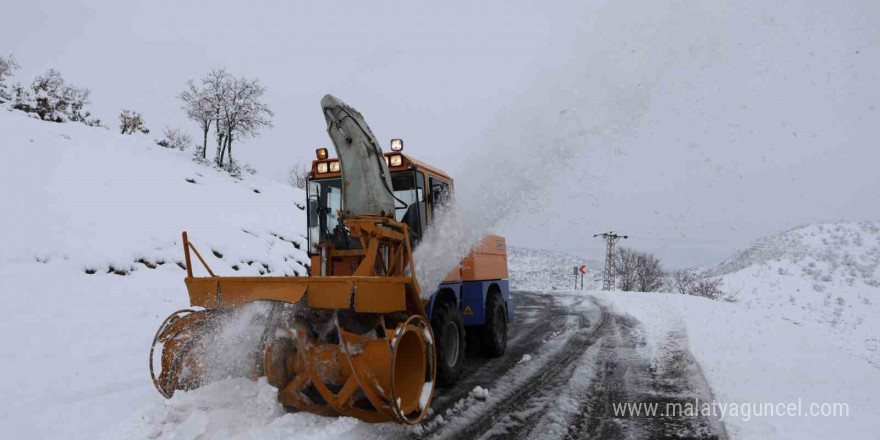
column 439, row 194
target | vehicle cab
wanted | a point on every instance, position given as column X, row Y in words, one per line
column 419, row 189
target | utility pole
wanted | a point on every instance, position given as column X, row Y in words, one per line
column 610, row 240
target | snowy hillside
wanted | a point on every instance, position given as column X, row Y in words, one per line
column 91, row 262
column 88, row 198
column 823, row 276
column 538, row 269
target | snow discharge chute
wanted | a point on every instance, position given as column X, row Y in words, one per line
column 357, row 345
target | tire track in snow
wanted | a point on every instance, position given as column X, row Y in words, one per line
column 555, row 372
column 625, row 375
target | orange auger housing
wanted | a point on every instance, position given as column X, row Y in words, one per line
column 358, row 346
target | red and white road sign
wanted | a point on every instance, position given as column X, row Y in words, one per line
column 582, row 269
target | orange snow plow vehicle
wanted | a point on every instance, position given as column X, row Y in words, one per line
column 356, row 337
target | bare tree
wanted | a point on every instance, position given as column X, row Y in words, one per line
column 216, row 90
column 299, row 175
column 625, row 263
column 175, row 139
column 131, row 122
column 8, row 65
column 199, row 108
column 649, row 273
column 244, row 113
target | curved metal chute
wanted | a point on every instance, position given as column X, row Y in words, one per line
column 366, row 182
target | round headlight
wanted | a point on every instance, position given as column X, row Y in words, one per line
column 322, row 167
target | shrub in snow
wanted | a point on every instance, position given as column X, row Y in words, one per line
column 7, row 66
column 236, row 169
column 51, row 99
column 131, row 122
column 175, row 138
column 698, row 282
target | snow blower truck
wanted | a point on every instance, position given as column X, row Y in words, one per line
column 354, row 338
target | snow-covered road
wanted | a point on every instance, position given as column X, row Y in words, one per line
column 570, row 359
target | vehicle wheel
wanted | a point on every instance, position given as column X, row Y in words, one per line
column 494, row 334
column 449, row 335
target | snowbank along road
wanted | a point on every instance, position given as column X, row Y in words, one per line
column 570, row 360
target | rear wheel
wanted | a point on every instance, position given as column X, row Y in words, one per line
column 449, row 336
column 494, row 334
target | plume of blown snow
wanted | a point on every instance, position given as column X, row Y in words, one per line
column 590, row 102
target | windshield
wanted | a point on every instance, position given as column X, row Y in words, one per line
column 325, row 199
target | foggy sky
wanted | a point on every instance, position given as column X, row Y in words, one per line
column 695, row 127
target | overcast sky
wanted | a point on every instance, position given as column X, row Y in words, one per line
column 693, row 126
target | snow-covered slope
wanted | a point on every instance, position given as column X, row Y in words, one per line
column 822, row 276
column 89, row 252
column 96, row 200
column 538, row 269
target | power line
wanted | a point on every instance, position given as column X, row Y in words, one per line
column 611, row 239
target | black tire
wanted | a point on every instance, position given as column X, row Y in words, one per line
column 494, row 334
column 449, row 335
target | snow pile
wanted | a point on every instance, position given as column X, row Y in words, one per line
column 230, row 409
column 480, row 393
column 822, row 276
column 91, row 263
column 543, row 270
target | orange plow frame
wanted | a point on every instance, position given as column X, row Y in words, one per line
column 385, row 374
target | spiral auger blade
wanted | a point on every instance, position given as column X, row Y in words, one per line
column 385, row 374
column 177, row 343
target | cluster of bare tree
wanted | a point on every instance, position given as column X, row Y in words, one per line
column 233, row 106
column 48, row 97
column 638, row 271
column 642, row 272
